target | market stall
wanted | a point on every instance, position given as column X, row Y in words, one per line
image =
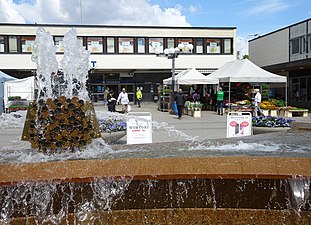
column 3, row 78
column 19, row 92
column 191, row 77
column 247, row 72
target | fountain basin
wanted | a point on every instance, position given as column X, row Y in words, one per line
column 161, row 190
column 161, row 168
column 248, row 180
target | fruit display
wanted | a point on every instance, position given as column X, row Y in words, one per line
column 266, row 105
column 60, row 124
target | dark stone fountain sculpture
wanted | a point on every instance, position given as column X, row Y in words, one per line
column 62, row 118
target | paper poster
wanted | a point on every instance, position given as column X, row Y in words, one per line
column 239, row 124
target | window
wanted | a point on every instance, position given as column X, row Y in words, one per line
column 141, row 45
column 126, row 45
column 227, row 46
column 213, row 46
column 12, row 44
column 27, row 43
column 199, row 46
column 309, row 43
column 171, row 43
column 185, row 42
column 58, row 41
column 303, row 44
column 309, row 88
column 155, row 43
column 95, row 44
column 294, row 89
column 303, row 89
column 110, row 45
column 299, row 88
column 295, row 46
column 1, row 44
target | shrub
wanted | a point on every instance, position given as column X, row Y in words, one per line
column 271, row 121
column 112, row 125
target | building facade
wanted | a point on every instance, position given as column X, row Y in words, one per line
column 287, row 51
column 123, row 56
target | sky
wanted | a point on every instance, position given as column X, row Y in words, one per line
column 248, row 16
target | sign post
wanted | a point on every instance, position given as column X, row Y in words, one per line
column 139, row 128
column 239, row 124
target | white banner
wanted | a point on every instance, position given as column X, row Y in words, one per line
column 139, row 128
column 239, row 124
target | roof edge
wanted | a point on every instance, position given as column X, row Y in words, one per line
column 111, row 26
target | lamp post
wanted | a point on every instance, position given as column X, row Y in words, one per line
column 173, row 53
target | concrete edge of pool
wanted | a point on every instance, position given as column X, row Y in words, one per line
column 158, row 168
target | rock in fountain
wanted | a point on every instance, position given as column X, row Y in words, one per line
column 62, row 118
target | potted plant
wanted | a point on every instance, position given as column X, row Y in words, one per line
column 197, row 108
column 186, row 108
column 267, row 124
column 13, row 98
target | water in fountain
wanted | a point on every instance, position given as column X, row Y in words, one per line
column 57, row 203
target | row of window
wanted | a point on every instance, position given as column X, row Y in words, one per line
column 130, row 45
column 301, row 44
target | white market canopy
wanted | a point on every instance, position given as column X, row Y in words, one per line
column 191, row 76
column 245, row 71
column 3, row 78
column 168, row 81
column 25, row 88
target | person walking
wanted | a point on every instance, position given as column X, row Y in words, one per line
column 106, row 93
column 180, row 102
column 111, row 102
column 257, row 100
column 139, row 96
column 220, row 101
column 124, row 100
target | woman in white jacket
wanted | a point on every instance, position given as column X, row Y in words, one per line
column 124, row 100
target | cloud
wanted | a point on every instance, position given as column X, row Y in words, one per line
column 269, row 6
column 9, row 12
column 193, row 9
column 106, row 12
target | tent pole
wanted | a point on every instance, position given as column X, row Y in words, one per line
column 286, row 91
column 229, row 95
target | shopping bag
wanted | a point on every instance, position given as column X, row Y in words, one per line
column 174, row 108
column 129, row 108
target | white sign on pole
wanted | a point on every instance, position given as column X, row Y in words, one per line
column 239, row 124
column 139, row 128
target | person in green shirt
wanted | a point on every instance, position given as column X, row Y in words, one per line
column 139, row 96
column 220, row 101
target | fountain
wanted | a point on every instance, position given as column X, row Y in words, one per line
column 64, row 180
column 63, row 118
